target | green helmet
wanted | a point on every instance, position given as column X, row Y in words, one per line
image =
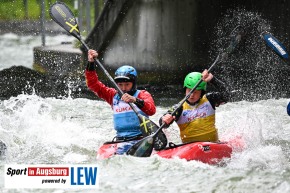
column 192, row 79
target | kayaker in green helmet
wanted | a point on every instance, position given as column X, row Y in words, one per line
column 196, row 117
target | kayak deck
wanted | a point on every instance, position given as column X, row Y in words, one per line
column 206, row 152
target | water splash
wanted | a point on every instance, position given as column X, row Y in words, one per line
column 253, row 72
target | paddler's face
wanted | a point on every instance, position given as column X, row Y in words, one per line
column 194, row 97
column 125, row 86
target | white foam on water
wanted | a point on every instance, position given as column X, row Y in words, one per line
column 38, row 130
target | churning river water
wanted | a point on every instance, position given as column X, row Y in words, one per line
column 69, row 131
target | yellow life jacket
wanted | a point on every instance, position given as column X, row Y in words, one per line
column 197, row 122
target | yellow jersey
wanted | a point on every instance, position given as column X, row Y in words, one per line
column 197, row 122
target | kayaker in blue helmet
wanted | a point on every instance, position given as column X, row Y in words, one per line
column 288, row 109
column 126, row 122
column 196, row 117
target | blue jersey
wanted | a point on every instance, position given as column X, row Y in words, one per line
column 126, row 122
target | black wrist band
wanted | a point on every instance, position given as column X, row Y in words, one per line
column 139, row 103
column 91, row 66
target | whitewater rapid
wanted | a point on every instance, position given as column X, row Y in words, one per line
column 69, row 131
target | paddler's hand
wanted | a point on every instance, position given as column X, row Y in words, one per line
column 206, row 77
column 168, row 119
column 128, row 98
column 91, row 55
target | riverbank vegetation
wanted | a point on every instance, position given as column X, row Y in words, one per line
column 26, row 9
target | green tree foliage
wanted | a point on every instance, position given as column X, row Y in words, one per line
column 16, row 9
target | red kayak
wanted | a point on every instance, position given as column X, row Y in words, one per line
column 206, row 152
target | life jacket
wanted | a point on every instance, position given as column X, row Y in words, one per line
column 197, row 122
column 126, row 122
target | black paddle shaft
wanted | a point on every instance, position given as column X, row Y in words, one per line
column 162, row 140
column 190, row 92
column 63, row 16
column 236, row 38
column 220, row 58
column 144, row 147
column 109, row 76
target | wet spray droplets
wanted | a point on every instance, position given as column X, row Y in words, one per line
column 252, row 71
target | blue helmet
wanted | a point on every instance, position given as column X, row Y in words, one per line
column 126, row 74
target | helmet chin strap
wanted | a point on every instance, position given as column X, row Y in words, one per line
column 131, row 92
column 133, row 89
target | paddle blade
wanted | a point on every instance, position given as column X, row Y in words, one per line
column 236, row 37
column 148, row 127
column 63, row 16
column 275, row 45
column 143, row 148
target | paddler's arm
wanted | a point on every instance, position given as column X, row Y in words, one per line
column 221, row 95
column 93, row 82
column 168, row 118
column 145, row 102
